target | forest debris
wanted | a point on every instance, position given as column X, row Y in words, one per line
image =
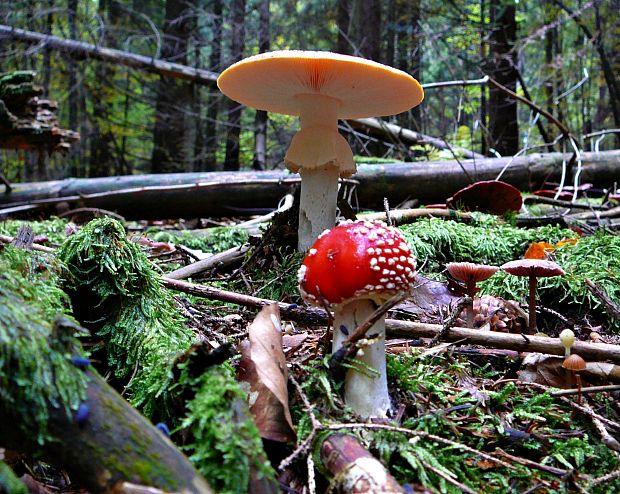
column 601, row 294
column 263, row 367
column 354, row 469
column 221, row 259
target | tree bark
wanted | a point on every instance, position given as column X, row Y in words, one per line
column 248, row 193
column 365, row 29
column 171, row 135
column 215, row 98
column 231, row 160
column 343, row 18
column 113, row 444
column 503, row 122
column 261, row 118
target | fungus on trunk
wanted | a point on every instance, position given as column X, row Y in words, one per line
column 470, row 273
column 351, row 268
column 320, row 88
column 487, row 196
column 533, row 269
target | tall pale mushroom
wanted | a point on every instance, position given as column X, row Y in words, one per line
column 351, row 268
column 320, row 88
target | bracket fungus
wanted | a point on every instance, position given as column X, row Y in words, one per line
column 350, row 268
column 470, row 273
column 533, row 269
column 320, row 88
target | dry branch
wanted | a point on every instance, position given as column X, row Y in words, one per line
column 246, row 193
column 592, row 352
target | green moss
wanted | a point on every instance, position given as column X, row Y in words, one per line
column 126, row 303
column 214, row 240
column 53, row 229
column 226, row 445
column 35, row 367
column 9, row 483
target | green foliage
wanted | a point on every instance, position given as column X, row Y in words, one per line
column 35, row 366
column 138, row 319
column 214, row 240
column 9, row 483
column 225, row 446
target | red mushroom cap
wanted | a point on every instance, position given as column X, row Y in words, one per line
column 359, row 259
column 533, row 267
column 488, row 196
column 470, row 272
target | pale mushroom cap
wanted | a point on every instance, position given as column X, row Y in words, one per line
column 567, row 337
column 470, row 272
column 533, row 267
column 271, row 81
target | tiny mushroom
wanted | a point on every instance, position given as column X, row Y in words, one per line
column 320, row 88
column 575, row 364
column 470, row 273
column 533, row 269
column 351, row 268
column 567, row 337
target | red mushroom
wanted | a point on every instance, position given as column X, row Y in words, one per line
column 533, row 269
column 488, row 196
column 470, row 274
column 351, row 268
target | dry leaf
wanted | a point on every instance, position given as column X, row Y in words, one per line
column 263, row 367
column 543, row 369
column 538, row 250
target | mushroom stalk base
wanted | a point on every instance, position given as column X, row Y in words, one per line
column 317, row 205
column 366, row 392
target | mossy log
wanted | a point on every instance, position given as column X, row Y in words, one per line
column 107, row 443
column 175, row 195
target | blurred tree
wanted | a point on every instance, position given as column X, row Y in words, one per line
column 261, row 119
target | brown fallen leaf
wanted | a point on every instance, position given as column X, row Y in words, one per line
column 263, row 367
column 543, row 369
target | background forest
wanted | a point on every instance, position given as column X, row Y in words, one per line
column 564, row 55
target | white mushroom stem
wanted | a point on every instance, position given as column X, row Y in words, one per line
column 366, row 394
column 321, row 155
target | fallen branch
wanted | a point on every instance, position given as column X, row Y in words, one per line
column 354, row 469
column 406, row 329
column 610, row 306
column 220, row 259
column 111, row 443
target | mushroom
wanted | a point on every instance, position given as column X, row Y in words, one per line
column 470, row 273
column 487, row 196
column 351, row 268
column 575, row 364
column 320, row 88
column 533, row 269
column 567, row 337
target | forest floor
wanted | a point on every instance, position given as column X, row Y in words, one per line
column 489, row 417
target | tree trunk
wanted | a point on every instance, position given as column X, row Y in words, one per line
column 215, row 98
column 343, row 18
column 47, row 53
column 503, row 123
column 365, row 29
column 261, row 119
column 231, row 160
column 249, row 193
column 172, row 141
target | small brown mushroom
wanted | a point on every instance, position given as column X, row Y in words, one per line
column 533, row 269
column 470, row 274
column 575, row 364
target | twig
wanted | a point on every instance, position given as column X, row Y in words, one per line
column 562, row 204
column 605, row 299
column 222, row 258
column 97, row 213
column 590, row 389
column 447, row 478
column 6, row 239
column 606, row 478
column 532, row 464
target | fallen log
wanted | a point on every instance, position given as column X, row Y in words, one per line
column 246, row 193
column 108, row 444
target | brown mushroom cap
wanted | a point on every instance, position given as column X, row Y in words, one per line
column 539, row 268
column 470, row 272
column 488, row 196
column 574, row 363
column 274, row 81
